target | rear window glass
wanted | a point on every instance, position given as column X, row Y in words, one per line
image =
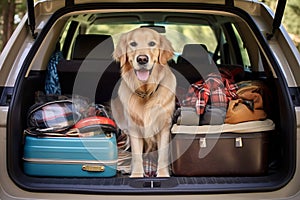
column 222, row 39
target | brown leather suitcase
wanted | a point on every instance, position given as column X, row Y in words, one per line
column 218, row 151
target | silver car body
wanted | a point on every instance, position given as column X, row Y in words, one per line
column 15, row 53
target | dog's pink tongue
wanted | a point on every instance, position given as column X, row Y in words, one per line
column 142, row 75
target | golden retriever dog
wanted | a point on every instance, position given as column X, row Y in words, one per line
column 146, row 96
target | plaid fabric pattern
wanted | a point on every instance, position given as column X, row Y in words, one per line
column 55, row 115
column 150, row 164
column 216, row 90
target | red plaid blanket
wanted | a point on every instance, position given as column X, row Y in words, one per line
column 216, row 90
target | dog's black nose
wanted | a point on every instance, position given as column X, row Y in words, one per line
column 142, row 59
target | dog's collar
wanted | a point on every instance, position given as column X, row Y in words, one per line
column 144, row 94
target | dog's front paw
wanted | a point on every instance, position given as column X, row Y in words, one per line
column 163, row 173
column 137, row 175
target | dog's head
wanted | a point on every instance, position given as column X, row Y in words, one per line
column 142, row 49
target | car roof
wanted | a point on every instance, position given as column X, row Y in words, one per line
column 230, row 3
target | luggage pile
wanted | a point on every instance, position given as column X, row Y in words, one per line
column 69, row 137
column 221, row 128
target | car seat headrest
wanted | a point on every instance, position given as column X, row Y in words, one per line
column 92, row 46
column 196, row 53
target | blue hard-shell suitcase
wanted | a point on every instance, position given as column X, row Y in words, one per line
column 94, row 156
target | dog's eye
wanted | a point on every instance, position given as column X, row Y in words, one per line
column 133, row 44
column 151, row 44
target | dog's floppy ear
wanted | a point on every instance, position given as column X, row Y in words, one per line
column 120, row 50
column 166, row 50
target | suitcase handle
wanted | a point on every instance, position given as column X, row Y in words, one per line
column 93, row 168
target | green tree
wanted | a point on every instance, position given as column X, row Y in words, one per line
column 292, row 22
column 10, row 10
column 290, row 19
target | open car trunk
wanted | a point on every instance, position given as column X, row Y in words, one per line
column 234, row 44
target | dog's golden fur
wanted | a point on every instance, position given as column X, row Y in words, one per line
column 146, row 96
